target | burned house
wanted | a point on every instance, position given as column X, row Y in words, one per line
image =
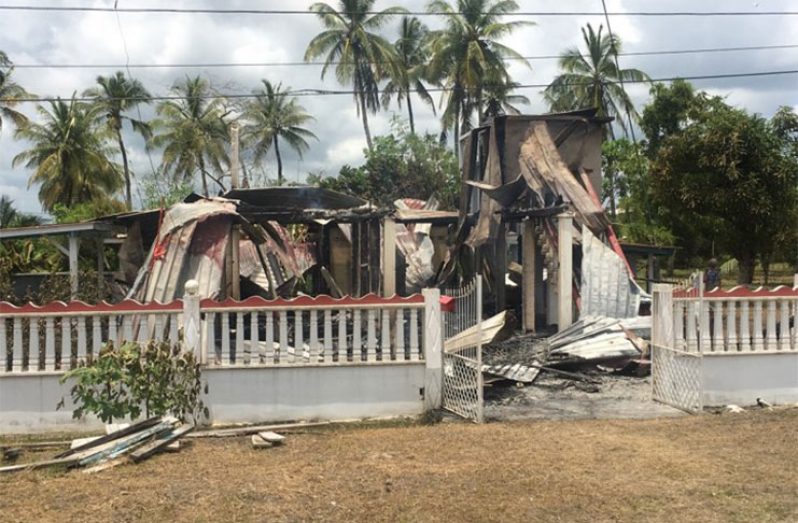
column 531, row 220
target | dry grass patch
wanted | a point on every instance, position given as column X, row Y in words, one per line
column 708, row 468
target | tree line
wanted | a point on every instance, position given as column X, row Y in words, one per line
column 706, row 177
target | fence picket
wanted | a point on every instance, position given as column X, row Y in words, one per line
column 771, row 335
column 342, row 349
column 3, row 344
column 299, row 344
column 784, row 326
column 731, row 324
column 17, row 349
column 314, row 336
column 414, row 345
column 34, row 352
column 385, row 336
column 357, row 342
column 759, row 343
column 255, row 352
column 678, row 326
column 49, row 342
column 283, row 328
column 717, row 319
column 371, row 343
column 327, row 353
column 704, row 344
column 226, row 360
column 745, row 327
column 692, row 333
column 400, row 336
column 66, row 344
column 270, row 355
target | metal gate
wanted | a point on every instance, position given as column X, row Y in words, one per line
column 462, row 362
column 677, row 378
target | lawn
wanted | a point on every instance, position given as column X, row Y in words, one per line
column 730, row 467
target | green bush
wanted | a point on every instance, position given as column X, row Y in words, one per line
column 153, row 379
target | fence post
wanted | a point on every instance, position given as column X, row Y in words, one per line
column 480, row 382
column 662, row 316
column 433, row 349
column 191, row 320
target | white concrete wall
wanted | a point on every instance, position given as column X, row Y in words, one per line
column 741, row 378
column 240, row 394
column 314, row 392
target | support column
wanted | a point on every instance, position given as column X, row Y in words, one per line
column 500, row 268
column 565, row 270
column 433, row 350
column 388, row 257
column 529, row 275
column 100, row 269
column 650, row 261
column 74, row 246
column 662, row 316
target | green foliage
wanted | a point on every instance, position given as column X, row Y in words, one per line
column 671, row 108
column 69, row 154
column 726, row 177
column 401, row 165
column 592, row 79
column 360, row 55
column 85, row 211
column 468, row 58
column 163, row 192
column 10, row 93
column 626, row 176
column 272, row 117
column 193, row 134
column 154, row 380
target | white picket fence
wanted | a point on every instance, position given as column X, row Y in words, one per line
column 304, row 330
column 738, row 320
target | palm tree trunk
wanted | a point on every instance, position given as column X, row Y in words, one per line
column 365, row 118
column 457, row 133
column 128, row 197
column 204, row 176
column 410, row 113
column 279, row 162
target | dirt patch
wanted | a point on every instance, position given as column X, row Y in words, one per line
column 731, row 467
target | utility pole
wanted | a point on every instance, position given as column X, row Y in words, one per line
column 235, row 266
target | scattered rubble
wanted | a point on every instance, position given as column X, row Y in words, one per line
column 122, row 444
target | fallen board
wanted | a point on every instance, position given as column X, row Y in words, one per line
column 253, row 429
column 144, row 452
column 113, row 436
column 272, row 437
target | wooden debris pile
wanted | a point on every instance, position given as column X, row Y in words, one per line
column 121, row 444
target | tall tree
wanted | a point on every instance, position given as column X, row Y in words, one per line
column 11, row 217
column 729, row 177
column 116, row 95
column 273, row 116
column 10, row 92
column 192, row 131
column 409, row 71
column 350, row 43
column 467, row 57
column 70, row 155
column 592, row 79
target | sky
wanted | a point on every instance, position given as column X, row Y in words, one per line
column 167, row 38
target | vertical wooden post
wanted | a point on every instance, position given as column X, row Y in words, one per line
column 433, row 349
column 100, row 269
column 388, row 257
column 650, row 264
column 74, row 246
column 662, row 316
column 529, row 275
column 565, row 271
column 191, row 322
column 500, row 268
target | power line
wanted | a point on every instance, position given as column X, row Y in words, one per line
column 617, row 67
column 337, row 92
column 214, row 65
column 175, row 10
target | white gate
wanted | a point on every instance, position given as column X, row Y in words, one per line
column 677, row 378
column 462, row 375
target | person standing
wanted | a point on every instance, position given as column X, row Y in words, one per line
column 712, row 275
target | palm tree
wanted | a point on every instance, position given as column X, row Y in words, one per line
column 115, row 96
column 192, row 133
column 362, row 56
column 593, row 79
column 499, row 100
column 10, row 92
column 70, row 155
column 409, row 71
column 274, row 115
column 467, row 56
column 11, row 217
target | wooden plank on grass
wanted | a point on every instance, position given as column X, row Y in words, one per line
column 253, row 429
column 160, row 442
column 272, row 437
column 141, row 425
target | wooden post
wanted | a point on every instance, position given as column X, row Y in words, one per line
column 650, row 261
column 500, row 268
column 565, row 271
column 74, row 246
column 662, row 316
column 235, row 266
column 433, row 349
column 100, row 269
column 388, row 257
column 191, row 321
column 529, row 275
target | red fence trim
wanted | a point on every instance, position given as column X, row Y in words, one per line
column 312, row 301
column 740, row 291
column 77, row 306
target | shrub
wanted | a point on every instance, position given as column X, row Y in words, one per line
column 155, row 379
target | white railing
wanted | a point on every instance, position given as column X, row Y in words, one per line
column 462, row 307
column 56, row 336
column 312, row 330
column 738, row 320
